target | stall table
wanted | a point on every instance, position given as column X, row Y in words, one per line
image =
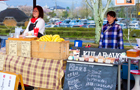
column 37, row 72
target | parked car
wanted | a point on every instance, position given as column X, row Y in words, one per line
column 65, row 23
column 123, row 25
column 77, row 25
column 134, row 24
column 58, row 22
column 104, row 22
column 84, row 21
column 75, row 22
column 91, row 24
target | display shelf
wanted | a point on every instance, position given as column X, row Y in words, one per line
column 93, row 63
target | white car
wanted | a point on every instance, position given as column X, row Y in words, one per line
column 123, row 25
column 134, row 24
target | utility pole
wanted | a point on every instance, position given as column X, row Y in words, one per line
column 55, row 5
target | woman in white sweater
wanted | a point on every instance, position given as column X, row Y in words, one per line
column 36, row 22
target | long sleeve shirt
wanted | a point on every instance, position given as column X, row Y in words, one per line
column 111, row 38
column 40, row 23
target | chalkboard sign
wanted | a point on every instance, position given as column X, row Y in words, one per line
column 90, row 77
column 101, row 52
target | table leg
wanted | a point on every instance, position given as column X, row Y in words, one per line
column 119, row 77
column 139, row 64
column 128, row 79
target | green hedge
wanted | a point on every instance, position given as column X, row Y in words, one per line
column 71, row 29
column 134, row 32
column 71, row 33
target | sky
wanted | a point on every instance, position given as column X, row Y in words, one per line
column 50, row 3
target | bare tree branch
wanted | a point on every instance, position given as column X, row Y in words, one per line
column 92, row 2
column 89, row 4
column 107, row 5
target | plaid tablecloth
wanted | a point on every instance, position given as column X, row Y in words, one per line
column 43, row 73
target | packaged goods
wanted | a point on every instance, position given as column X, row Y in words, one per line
column 133, row 53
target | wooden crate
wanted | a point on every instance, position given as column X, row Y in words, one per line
column 20, row 46
column 50, row 50
column 23, row 39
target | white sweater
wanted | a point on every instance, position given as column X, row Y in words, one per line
column 40, row 24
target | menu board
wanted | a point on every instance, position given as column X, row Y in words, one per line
column 26, row 49
column 2, row 58
column 13, row 47
column 90, row 77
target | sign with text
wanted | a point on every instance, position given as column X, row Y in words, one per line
column 124, row 2
column 90, row 77
column 2, row 58
column 115, row 53
column 26, row 49
column 7, row 81
column 13, row 47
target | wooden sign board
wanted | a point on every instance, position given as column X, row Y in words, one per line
column 90, row 77
column 10, row 81
column 124, row 2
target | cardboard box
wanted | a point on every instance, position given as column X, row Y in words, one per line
column 50, row 50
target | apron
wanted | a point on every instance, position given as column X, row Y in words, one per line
column 32, row 26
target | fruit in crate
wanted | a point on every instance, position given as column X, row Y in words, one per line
column 50, row 38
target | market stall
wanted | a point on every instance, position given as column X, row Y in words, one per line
column 39, row 62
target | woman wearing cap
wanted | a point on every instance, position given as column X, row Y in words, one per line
column 111, row 33
column 36, row 22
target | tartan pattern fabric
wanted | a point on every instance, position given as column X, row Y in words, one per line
column 37, row 72
column 112, row 38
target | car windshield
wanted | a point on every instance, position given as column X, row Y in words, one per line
column 73, row 21
column 83, row 21
column 66, row 21
column 90, row 23
column 133, row 22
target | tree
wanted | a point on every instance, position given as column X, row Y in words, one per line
column 72, row 14
column 121, row 12
column 98, row 12
column 52, row 14
column 84, row 11
column 65, row 14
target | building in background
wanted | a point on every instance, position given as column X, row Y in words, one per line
column 13, row 17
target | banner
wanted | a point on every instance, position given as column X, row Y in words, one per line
column 124, row 2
